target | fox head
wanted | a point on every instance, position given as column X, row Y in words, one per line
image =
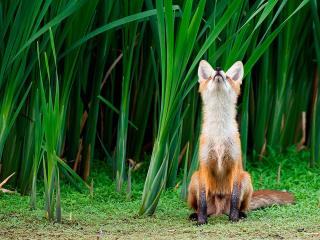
column 215, row 82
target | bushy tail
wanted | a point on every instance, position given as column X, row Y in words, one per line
column 266, row 198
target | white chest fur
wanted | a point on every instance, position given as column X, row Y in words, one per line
column 219, row 129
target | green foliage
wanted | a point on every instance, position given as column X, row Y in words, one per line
column 119, row 82
column 130, row 51
column 51, row 123
column 50, row 120
column 315, row 134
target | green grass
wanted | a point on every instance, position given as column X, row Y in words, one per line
column 109, row 215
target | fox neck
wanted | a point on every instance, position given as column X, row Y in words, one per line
column 219, row 113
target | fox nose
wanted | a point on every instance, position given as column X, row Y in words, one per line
column 217, row 69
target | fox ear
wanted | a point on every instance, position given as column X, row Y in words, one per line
column 205, row 70
column 236, row 72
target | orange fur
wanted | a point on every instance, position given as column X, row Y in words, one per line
column 221, row 172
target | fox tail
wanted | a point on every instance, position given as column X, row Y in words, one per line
column 266, row 198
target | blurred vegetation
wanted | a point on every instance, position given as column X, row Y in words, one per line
column 116, row 80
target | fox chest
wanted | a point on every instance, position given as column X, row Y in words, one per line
column 220, row 156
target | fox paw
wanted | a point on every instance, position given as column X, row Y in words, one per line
column 242, row 215
column 234, row 216
column 202, row 220
column 193, row 217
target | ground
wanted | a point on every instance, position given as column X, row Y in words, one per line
column 110, row 215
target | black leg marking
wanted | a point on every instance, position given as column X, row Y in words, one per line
column 202, row 216
column 193, row 217
column 234, row 205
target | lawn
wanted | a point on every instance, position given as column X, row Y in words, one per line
column 109, row 215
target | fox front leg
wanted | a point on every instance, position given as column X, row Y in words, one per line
column 202, row 211
column 234, row 214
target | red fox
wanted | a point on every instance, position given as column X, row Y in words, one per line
column 221, row 186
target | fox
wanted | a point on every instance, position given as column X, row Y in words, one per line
column 221, row 185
